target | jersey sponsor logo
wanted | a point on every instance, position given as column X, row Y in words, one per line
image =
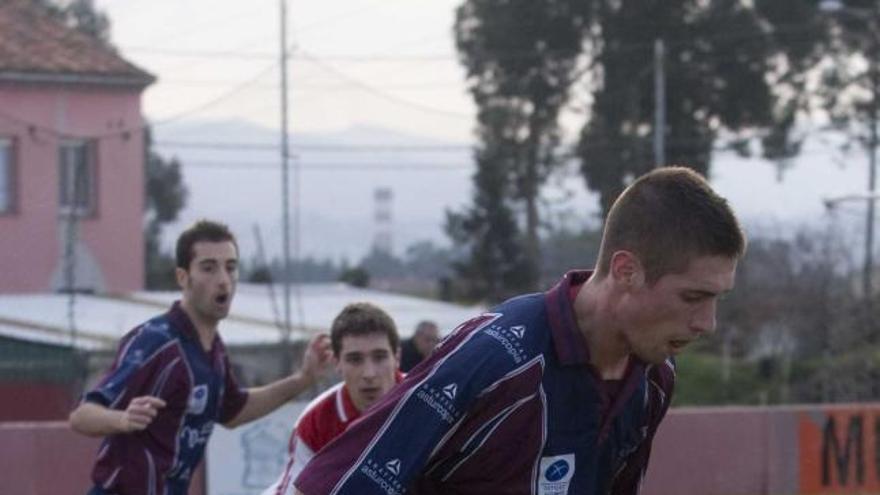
column 450, row 391
column 384, row 476
column 509, row 340
column 555, row 474
column 198, row 399
column 440, row 400
column 193, row 437
column 518, row 331
column 135, row 357
column 394, row 466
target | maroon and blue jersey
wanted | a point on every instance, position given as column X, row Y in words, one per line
column 507, row 404
column 164, row 358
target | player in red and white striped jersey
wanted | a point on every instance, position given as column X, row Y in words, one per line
column 365, row 348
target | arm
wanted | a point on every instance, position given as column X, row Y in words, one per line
column 94, row 420
column 126, row 399
column 263, row 400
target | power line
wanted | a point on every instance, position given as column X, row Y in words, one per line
column 245, row 55
column 319, row 166
column 217, row 99
column 332, row 148
column 382, row 94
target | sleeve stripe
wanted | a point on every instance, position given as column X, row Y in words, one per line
column 500, row 419
column 491, row 387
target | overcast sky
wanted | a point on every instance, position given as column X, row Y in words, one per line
column 389, row 63
column 383, row 63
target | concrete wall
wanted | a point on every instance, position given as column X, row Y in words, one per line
column 803, row 450
column 32, row 238
column 48, row 458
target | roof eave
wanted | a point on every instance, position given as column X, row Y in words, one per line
column 129, row 80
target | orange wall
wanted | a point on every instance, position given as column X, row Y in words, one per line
column 797, row 450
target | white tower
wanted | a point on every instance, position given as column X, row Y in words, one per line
column 382, row 196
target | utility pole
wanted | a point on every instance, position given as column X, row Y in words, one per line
column 659, row 104
column 285, row 195
column 872, row 173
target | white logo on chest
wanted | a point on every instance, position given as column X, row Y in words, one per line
column 198, row 400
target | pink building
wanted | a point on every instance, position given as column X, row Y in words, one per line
column 71, row 158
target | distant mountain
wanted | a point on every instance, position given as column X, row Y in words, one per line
column 339, row 175
column 234, row 175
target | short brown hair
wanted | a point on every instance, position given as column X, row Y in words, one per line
column 668, row 217
column 201, row 231
column 362, row 318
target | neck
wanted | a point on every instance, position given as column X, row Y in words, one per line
column 594, row 310
column 205, row 327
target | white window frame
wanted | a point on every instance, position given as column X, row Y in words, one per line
column 69, row 152
column 7, row 176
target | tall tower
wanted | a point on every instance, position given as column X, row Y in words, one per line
column 382, row 197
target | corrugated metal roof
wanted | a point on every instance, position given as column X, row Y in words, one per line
column 102, row 319
column 36, row 47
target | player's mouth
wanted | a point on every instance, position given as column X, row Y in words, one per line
column 370, row 391
column 221, row 299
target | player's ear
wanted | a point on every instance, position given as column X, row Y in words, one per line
column 626, row 269
column 182, row 277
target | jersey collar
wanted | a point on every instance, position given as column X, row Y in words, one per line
column 571, row 347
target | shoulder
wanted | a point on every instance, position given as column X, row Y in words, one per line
column 494, row 344
column 320, row 421
column 323, row 406
column 149, row 338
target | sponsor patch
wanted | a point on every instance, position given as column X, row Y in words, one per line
column 198, row 399
column 510, row 339
column 555, row 474
column 441, row 400
column 384, row 476
column 518, row 331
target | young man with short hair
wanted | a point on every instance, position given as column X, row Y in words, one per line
column 365, row 347
column 560, row 392
column 171, row 379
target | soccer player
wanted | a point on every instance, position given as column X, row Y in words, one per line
column 559, row 392
column 365, row 348
column 171, row 379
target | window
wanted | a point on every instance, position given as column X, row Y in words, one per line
column 7, row 177
column 77, row 178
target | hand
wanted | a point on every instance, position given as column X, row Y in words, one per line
column 141, row 411
column 317, row 357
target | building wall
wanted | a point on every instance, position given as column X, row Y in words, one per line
column 32, row 239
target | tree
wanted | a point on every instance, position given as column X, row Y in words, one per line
column 495, row 265
column 165, row 196
column 520, row 61
column 80, row 15
column 727, row 65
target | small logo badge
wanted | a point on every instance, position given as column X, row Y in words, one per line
column 518, row 331
column 198, row 399
column 450, row 391
column 556, row 471
column 556, row 474
column 394, row 466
